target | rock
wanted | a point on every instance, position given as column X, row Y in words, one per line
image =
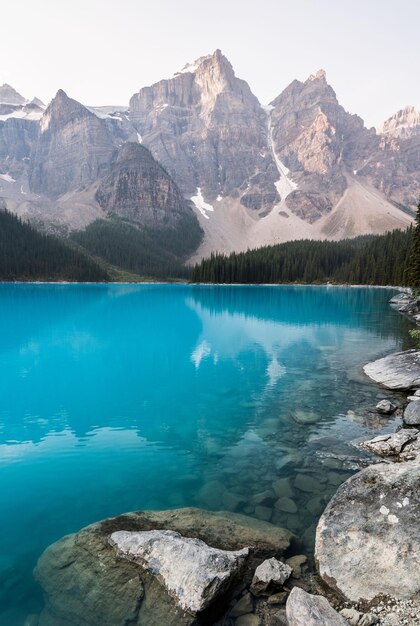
column 367, row 540
column 304, row 609
column 391, row 444
column 411, row 415
column 194, row 573
column 305, row 417
column 248, row 620
column 368, row 619
column 417, row 393
column 263, row 512
column 316, row 505
column 413, row 398
column 306, row 483
column 278, row 619
column 296, row 563
column 264, row 498
column 356, row 618
column 351, row 615
column 286, row 504
column 86, row 582
column 271, row 574
column 283, row 488
column 277, row 598
column 400, row 370
column 401, row 298
column 386, row 407
column 243, row 606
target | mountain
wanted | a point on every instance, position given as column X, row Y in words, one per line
column 140, row 190
column 300, row 167
column 404, row 124
column 9, row 95
column 208, row 130
column 74, row 148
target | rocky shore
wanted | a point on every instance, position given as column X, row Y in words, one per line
column 192, row 567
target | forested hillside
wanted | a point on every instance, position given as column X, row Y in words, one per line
column 367, row 260
column 26, row 254
column 152, row 252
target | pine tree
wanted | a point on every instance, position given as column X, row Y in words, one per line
column 413, row 270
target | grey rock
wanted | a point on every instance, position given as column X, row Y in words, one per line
column 386, row 407
column 296, row 563
column 193, row 572
column 352, row 616
column 243, row 606
column 306, row 483
column 400, row 370
column 271, row 574
column 413, row 398
column 248, row 620
column 367, row 541
column 86, row 583
column 411, row 415
column 283, row 488
column 304, row 609
column 264, row 513
column 401, row 298
column 286, row 504
column 391, row 444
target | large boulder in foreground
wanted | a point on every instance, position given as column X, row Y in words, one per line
column 304, row 609
column 368, row 538
column 192, row 572
column 400, row 370
column 89, row 581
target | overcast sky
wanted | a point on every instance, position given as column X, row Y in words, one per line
column 102, row 51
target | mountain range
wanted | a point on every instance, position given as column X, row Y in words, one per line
column 199, row 152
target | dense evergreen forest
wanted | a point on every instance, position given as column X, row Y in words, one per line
column 27, row 254
column 367, row 260
column 157, row 253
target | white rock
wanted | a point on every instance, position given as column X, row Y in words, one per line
column 270, row 574
column 386, row 407
column 193, row 572
column 303, row 609
column 400, row 370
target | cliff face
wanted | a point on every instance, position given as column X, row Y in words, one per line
column 140, row 190
column 74, row 148
column 208, row 130
column 319, row 142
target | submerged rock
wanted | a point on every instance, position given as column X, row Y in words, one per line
column 400, row 370
column 194, row 573
column 368, row 539
column 86, row 582
column 304, row 609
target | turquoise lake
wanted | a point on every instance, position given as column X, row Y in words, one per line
column 122, row 397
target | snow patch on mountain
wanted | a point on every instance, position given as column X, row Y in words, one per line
column 7, row 178
column 285, row 185
column 201, row 204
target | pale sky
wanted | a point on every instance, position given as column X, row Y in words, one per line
column 102, row 51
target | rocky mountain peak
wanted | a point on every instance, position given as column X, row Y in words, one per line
column 319, row 75
column 61, row 110
column 9, row 95
column 405, row 123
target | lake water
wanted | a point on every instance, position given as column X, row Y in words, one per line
column 122, row 397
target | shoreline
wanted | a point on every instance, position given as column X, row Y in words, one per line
column 192, row 284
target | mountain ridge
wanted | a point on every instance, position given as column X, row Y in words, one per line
column 301, row 166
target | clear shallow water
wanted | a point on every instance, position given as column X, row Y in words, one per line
column 122, row 397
